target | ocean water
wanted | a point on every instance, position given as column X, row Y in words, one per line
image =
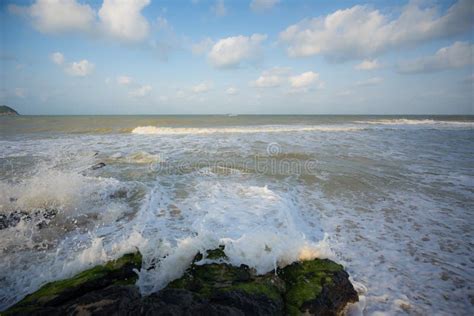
column 391, row 198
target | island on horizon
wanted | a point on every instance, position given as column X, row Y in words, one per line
column 6, row 110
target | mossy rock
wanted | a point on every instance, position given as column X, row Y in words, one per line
column 210, row 286
column 216, row 254
column 212, row 254
column 116, row 272
column 213, row 281
column 317, row 287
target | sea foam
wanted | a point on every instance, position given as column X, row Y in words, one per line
column 258, row 226
column 153, row 130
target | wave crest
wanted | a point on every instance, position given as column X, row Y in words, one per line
column 153, row 130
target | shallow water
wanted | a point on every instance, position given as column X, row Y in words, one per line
column 391, row 198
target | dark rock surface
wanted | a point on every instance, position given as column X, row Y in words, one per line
column 315, row 287
column 98, row 166
column 59, row 295
column 41, row 218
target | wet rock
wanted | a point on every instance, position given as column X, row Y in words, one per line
column 119, row 194
column 112, row 300
column 12, row 219
column 210, row 286
column 40, row 217
column 60, row 295
column 44, row 217
column 98, row 166
column 317, row 287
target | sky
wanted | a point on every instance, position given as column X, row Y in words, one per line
column 66, row 57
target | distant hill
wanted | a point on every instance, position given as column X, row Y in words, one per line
column 6, row 110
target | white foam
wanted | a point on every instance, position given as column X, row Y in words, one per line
column 153, row 130
column 258, row 226
column 422, row 122
column 56, row 189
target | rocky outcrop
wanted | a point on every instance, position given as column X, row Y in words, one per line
column 6, row 110
column 40, row 217
column 60, row 296
column 210, row 286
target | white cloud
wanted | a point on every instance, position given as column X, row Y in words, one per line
column 123, row 19
column 361, row 32
column 369, row 82
column 124, row 80
column 368, row 64
column 458, row 55
column 262, row 5
column 303, row 80
column 232, row 51
column 219, row 8
column 202, row 87
column 80, row 68
column 119, row 19
column 56, row 16
column 141, row 91
column 231, row 91
column 202, row 47
column 271, row 78
column 57, row 58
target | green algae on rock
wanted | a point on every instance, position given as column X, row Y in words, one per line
column 210, row 286
column 317, row 287
column 120, row 271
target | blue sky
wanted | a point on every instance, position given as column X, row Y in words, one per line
column 253, row 57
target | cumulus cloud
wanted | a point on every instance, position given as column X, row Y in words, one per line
column 80, row 68
column 123, row 19
column 368, row 64
column 280, row 76
column 141, row 91
column 458, row 55
column 77, row 68
column 116, row 18
column 56, row 16
column 369, row 82
column 304, row 80
column 271, row 78
column 231, row 91
column 232, row 51
column 57, row 58
column 219, row 8
column 124, row 80
column 362, row 32
column 262, row 5
column 202, row 87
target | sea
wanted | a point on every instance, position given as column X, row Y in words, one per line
column 389, row 197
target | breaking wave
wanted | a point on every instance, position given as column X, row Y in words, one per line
column 418, row 122
column 153, row 130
